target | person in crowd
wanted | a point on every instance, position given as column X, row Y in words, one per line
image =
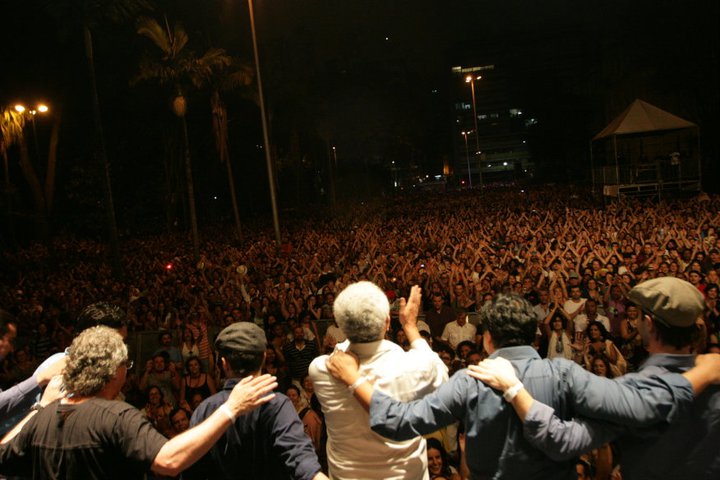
column 493, row 437
column 683, row 448
column 299, row 353
column 189, row 347
column 439, row 315
column 599, row 345
column 162, row 374
column 439, row 466
column 100, row 437
column 555, row 329
column 269, row 442
column 312, row 423
column 180, row 419
column 195, row 382
column 631, row 347
column 172, row 352
column 459, row 330
column 158, row 410
column 363, row 312
column 590, row 314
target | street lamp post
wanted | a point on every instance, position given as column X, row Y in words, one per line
column 471, row 80
column 467, row 157
column 266, row 136
column 41, row 108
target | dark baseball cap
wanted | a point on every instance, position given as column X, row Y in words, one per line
column 242, row 337
column 671, row 301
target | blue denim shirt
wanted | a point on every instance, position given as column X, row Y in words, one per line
column 268, row 443
column 687, row 446
column 496, row 447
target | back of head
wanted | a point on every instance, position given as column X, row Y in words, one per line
column 93, row 359
column 101, row 313
column 242, row 345
column 361, row 311
column 510, row 320
column 674, row 306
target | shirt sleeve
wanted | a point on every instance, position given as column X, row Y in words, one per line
column 635, row 401
column 402, row 421
column 137, row 438
column 18, row 398
column 293, row 447
column 564, row 440
column 15, row 455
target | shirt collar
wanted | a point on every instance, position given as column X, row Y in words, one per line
column 670, row 361
column 366, row 350
column 522, row 352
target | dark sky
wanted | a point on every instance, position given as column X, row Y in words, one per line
column 372, row 77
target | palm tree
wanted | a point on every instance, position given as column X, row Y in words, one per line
column 11, row 132
column 89, row 15
column 12, row 126
column 225, row 79
column 178, row 67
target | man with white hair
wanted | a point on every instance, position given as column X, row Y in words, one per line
column 363, row 313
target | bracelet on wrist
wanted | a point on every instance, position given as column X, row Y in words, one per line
column 356, row 384
column 510, row 394
column 228, row 413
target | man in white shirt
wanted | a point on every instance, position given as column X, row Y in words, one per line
column 459, row 330
column 362, row 311
column 590, row 315
column 573, row 306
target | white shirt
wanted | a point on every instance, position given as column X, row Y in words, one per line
column 581, row 322
column 455, row 334
column 356, row 452
column 571, row 306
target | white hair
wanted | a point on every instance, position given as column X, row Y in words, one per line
column 361, row 311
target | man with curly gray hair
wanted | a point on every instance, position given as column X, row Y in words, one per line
column 89, row 434
column 362, row 311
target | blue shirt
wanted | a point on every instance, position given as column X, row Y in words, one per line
column 495, row 444
column 689, row 447
column 269, row 443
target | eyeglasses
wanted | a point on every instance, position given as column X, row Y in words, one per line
column 129, row 364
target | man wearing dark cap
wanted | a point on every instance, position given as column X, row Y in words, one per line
column 269, row 443
column 689, row 447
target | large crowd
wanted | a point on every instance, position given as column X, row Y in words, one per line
column 573, row 259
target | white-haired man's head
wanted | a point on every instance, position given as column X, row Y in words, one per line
column 362, row 311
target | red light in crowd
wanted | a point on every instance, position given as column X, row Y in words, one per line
column 168, row 266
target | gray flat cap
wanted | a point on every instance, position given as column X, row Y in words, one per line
column 672, row 301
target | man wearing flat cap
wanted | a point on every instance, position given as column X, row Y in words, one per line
column 689, row 447
column 268, row 444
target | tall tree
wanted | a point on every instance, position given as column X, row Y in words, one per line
column 178, row 68
column 89, row 15
column 227, row 78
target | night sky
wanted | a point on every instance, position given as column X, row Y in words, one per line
column 369, row 77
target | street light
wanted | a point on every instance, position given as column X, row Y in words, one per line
column 266, row 136
column 471, row 80
column 39, row 108
column 467, row 157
